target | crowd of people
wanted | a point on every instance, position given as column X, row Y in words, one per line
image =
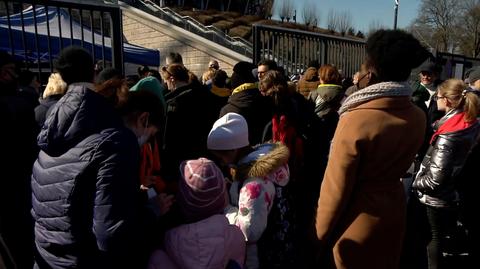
column 167, row 169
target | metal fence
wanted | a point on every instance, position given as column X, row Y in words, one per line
column 35, row 31
column 294, row 49
column 455, row 65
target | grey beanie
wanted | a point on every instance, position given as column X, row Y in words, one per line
column 474, row 75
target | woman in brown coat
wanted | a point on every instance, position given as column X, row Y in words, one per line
column 361, row 209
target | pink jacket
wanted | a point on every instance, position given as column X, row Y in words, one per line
column 209, row 243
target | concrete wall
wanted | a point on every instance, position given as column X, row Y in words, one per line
column 145, row 30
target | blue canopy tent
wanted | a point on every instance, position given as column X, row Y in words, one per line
column 131, row 54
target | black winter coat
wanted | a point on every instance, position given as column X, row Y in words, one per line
column 189, row 118
column 419, row 97
column 255, row 108
column 44, row 108
column 85, row 186
column 436, row 182
column 19, row 150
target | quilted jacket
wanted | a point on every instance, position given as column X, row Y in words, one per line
column 210, row 243
column 436, row 182
column 85, row 185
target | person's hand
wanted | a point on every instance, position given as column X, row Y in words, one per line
column 164, row 202
column 149, row 181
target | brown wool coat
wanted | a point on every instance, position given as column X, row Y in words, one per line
column 361, row 210
column 309, row 82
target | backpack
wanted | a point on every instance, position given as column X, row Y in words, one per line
column 276, row 246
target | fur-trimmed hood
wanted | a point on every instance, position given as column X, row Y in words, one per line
column 265, row 161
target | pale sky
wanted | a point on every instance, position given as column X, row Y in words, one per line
column 363, row 11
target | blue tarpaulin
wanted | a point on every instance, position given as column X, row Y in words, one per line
column 131, row 53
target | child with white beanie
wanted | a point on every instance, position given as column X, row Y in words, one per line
column 260, row 174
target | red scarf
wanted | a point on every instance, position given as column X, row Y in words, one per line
column 282, row 131
column 285, row 133
column 455, row 123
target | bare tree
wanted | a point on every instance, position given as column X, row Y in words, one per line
column 339, row 21
column 423, row 34
column 310, row 14
column 438, row 21
column 344, row 22
column 469, row 30
column 286, row 10
column 332, row 20
column 374, row 26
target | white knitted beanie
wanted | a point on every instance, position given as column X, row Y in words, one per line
column 229, row 132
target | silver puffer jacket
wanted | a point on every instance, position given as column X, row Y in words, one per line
column 435, row 182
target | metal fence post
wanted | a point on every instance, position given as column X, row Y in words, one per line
column 256, row 44
column 117, row 40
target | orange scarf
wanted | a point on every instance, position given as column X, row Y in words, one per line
column 150, row 166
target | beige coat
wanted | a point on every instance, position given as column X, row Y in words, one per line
column 361, row 210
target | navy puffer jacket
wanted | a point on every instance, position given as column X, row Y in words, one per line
column 85, row 185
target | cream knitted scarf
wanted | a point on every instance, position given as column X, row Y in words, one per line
column 375, row 91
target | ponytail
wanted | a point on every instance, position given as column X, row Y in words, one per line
column 461, row 96
column 471, row 105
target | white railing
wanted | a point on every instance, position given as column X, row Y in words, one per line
column 188, row 23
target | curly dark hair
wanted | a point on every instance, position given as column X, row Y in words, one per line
column 392, row 54
column 75, row 64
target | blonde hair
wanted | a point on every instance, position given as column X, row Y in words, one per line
column 55, row 85
column 461, row 96
column 208, row 75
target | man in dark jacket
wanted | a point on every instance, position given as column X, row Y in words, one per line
column 85, row 182
column 19, row 151
column 424, row 91
column 424, row 96
column 189, row 118
column 247, row 101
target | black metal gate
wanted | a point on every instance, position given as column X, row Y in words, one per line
column 455, row 65
column 35, row 31
column 294, row 49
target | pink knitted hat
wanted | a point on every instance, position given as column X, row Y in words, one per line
column 202, row 190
